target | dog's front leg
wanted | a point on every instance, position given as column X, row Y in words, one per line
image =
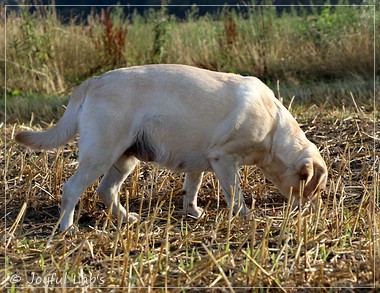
column 190, row 193
column 225, row 167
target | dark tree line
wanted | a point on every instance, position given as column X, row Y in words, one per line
column 67, row 9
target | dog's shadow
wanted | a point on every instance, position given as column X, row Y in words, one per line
column 41, row 221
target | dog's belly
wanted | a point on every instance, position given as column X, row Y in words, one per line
column 168, row 155
column 178, row 162
column 187, row 163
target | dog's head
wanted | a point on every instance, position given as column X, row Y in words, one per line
column 309, row 172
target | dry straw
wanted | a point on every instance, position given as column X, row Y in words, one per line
column 332, row 244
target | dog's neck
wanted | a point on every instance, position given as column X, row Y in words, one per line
column 287, row 141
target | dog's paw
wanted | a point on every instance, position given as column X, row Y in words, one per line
column 133, row 218
column 70, row 231
column 243, row 211
column 193, row 211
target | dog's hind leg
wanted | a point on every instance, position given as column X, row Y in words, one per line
column 110, row 185
column 89, row 169
column 190, row 193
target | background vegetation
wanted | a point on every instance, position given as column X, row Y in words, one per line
column 320, row 62
column 320, row 55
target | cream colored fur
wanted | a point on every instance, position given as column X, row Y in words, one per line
column 186, row 119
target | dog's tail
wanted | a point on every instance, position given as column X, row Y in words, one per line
column 63, row 131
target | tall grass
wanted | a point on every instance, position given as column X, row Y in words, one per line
column 46, row 56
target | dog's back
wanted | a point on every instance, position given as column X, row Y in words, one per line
column 176, row 114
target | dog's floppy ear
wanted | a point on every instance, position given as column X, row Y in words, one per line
column 313, row 174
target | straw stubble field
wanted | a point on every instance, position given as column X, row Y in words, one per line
column 334, row 246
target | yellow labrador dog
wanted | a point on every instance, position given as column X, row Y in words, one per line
column 186, row 119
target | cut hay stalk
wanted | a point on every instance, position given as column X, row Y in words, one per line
column 306, row 252
column 300, row 238
column 50, row 239
column 264, row 271
column 142, row 283
column 14, row 226
column 204, row 267
column 127, row 195
column 279, row 255
column 167, row 243
column 78, row 213
column 127, row 245
column 262, row 250
column 335, row 244
column 364, row 199
column 76, row 258
column 318, row 212
column 151, row 193
column 287, row 217
column 230, row 214
column 113, row 255
column 216, row 263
